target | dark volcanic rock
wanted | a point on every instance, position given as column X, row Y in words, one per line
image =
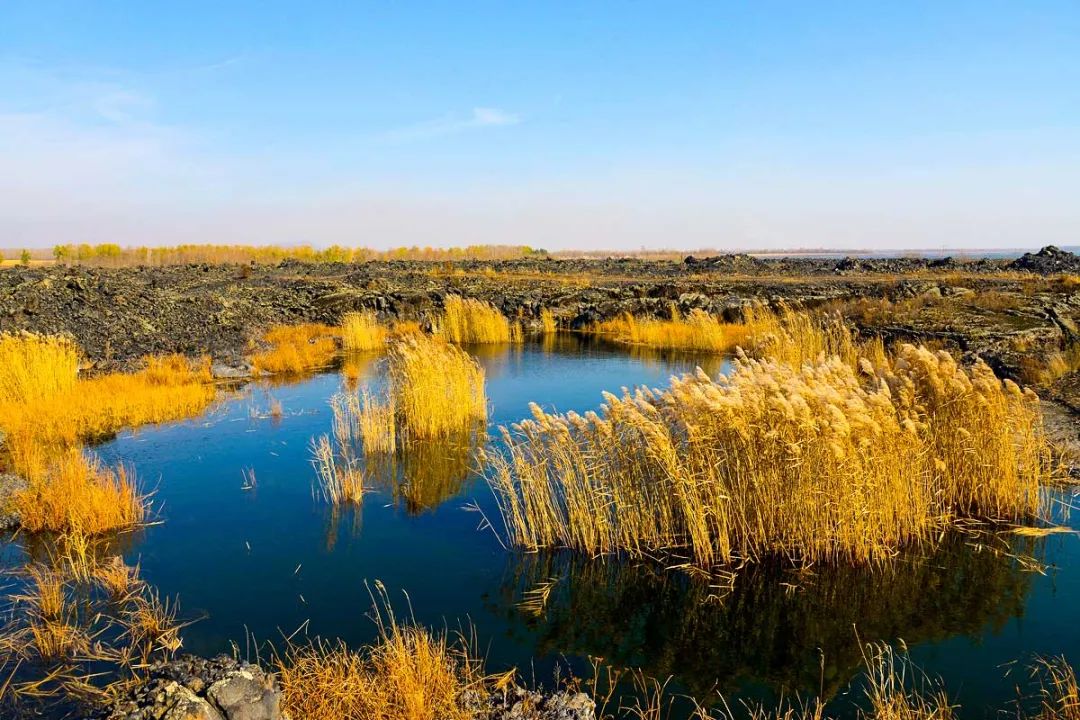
column 1048, row 261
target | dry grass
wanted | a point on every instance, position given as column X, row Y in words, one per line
column 34, row 367
column 64, row 412
column 474, row 321
column 785, row 334
column 340, row 480
column 1044, row 370
column 362, row 331
column 360, row 417
column 296, row 348
column 436, row 389
column 78, row 494
column 697, row 331
column 76, row 641
column 1059, row 693
column 548, row 324
column 811, row 462
column 408, row 674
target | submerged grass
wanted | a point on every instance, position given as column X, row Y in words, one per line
column 813, row 462
column 474, row 321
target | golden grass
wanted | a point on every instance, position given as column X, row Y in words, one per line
column 697, row 331
column 467, row 320
column 80, row 495
column 811, row 462
column 296, row 348
column 41, row 424
column 340, row 480
column 785, row 334
column 1059, row 692
column 33, row 367
column 548, row 324
column 1044, row 370
column 361, row 417
column 408, row 674
column 436, row 389
column 362, row 331
column 80, row 643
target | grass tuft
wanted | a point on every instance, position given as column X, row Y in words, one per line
column 296, row 348
column 80, row 495
column 362, row 331
column 474, row 321
column 436, row 389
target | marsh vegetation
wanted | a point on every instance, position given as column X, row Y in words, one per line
column 811, row 475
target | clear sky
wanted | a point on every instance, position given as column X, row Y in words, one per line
column 599, row 125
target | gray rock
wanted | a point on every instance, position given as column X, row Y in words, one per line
column 246, row 694
column 186, row 705
column 227, row 372
column 9, row 485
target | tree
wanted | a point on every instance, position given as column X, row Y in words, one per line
column 25, row 257
column 62, row 253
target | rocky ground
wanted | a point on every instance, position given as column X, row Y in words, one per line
column 223, row 688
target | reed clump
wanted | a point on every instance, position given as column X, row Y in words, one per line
column 436, row 389
column 466, row 320
column 296, row 348
column 813, row 462
column 409, row 673
column 548, row 324
column 78, row 494
column 362, row 331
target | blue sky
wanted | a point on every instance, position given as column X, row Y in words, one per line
column 612, row 125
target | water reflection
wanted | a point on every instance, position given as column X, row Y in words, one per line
column 422, row 474
column 793, row 631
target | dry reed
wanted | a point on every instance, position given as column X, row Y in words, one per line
column 811, row 462
column 436, row 389
column 80, row 495
column 474, row 321
column 362, row 331
column 296, row 348
column 408, row 674
column 340, row 480
column 697, row 331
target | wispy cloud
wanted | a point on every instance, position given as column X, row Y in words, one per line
column 453, row 124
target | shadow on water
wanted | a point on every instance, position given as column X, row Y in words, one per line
column 788, row 631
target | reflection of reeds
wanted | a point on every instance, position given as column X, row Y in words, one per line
column 814, row 462
column 771, row 624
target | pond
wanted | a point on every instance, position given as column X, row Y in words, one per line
column 253, row 564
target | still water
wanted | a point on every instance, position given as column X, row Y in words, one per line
column 262, row 562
